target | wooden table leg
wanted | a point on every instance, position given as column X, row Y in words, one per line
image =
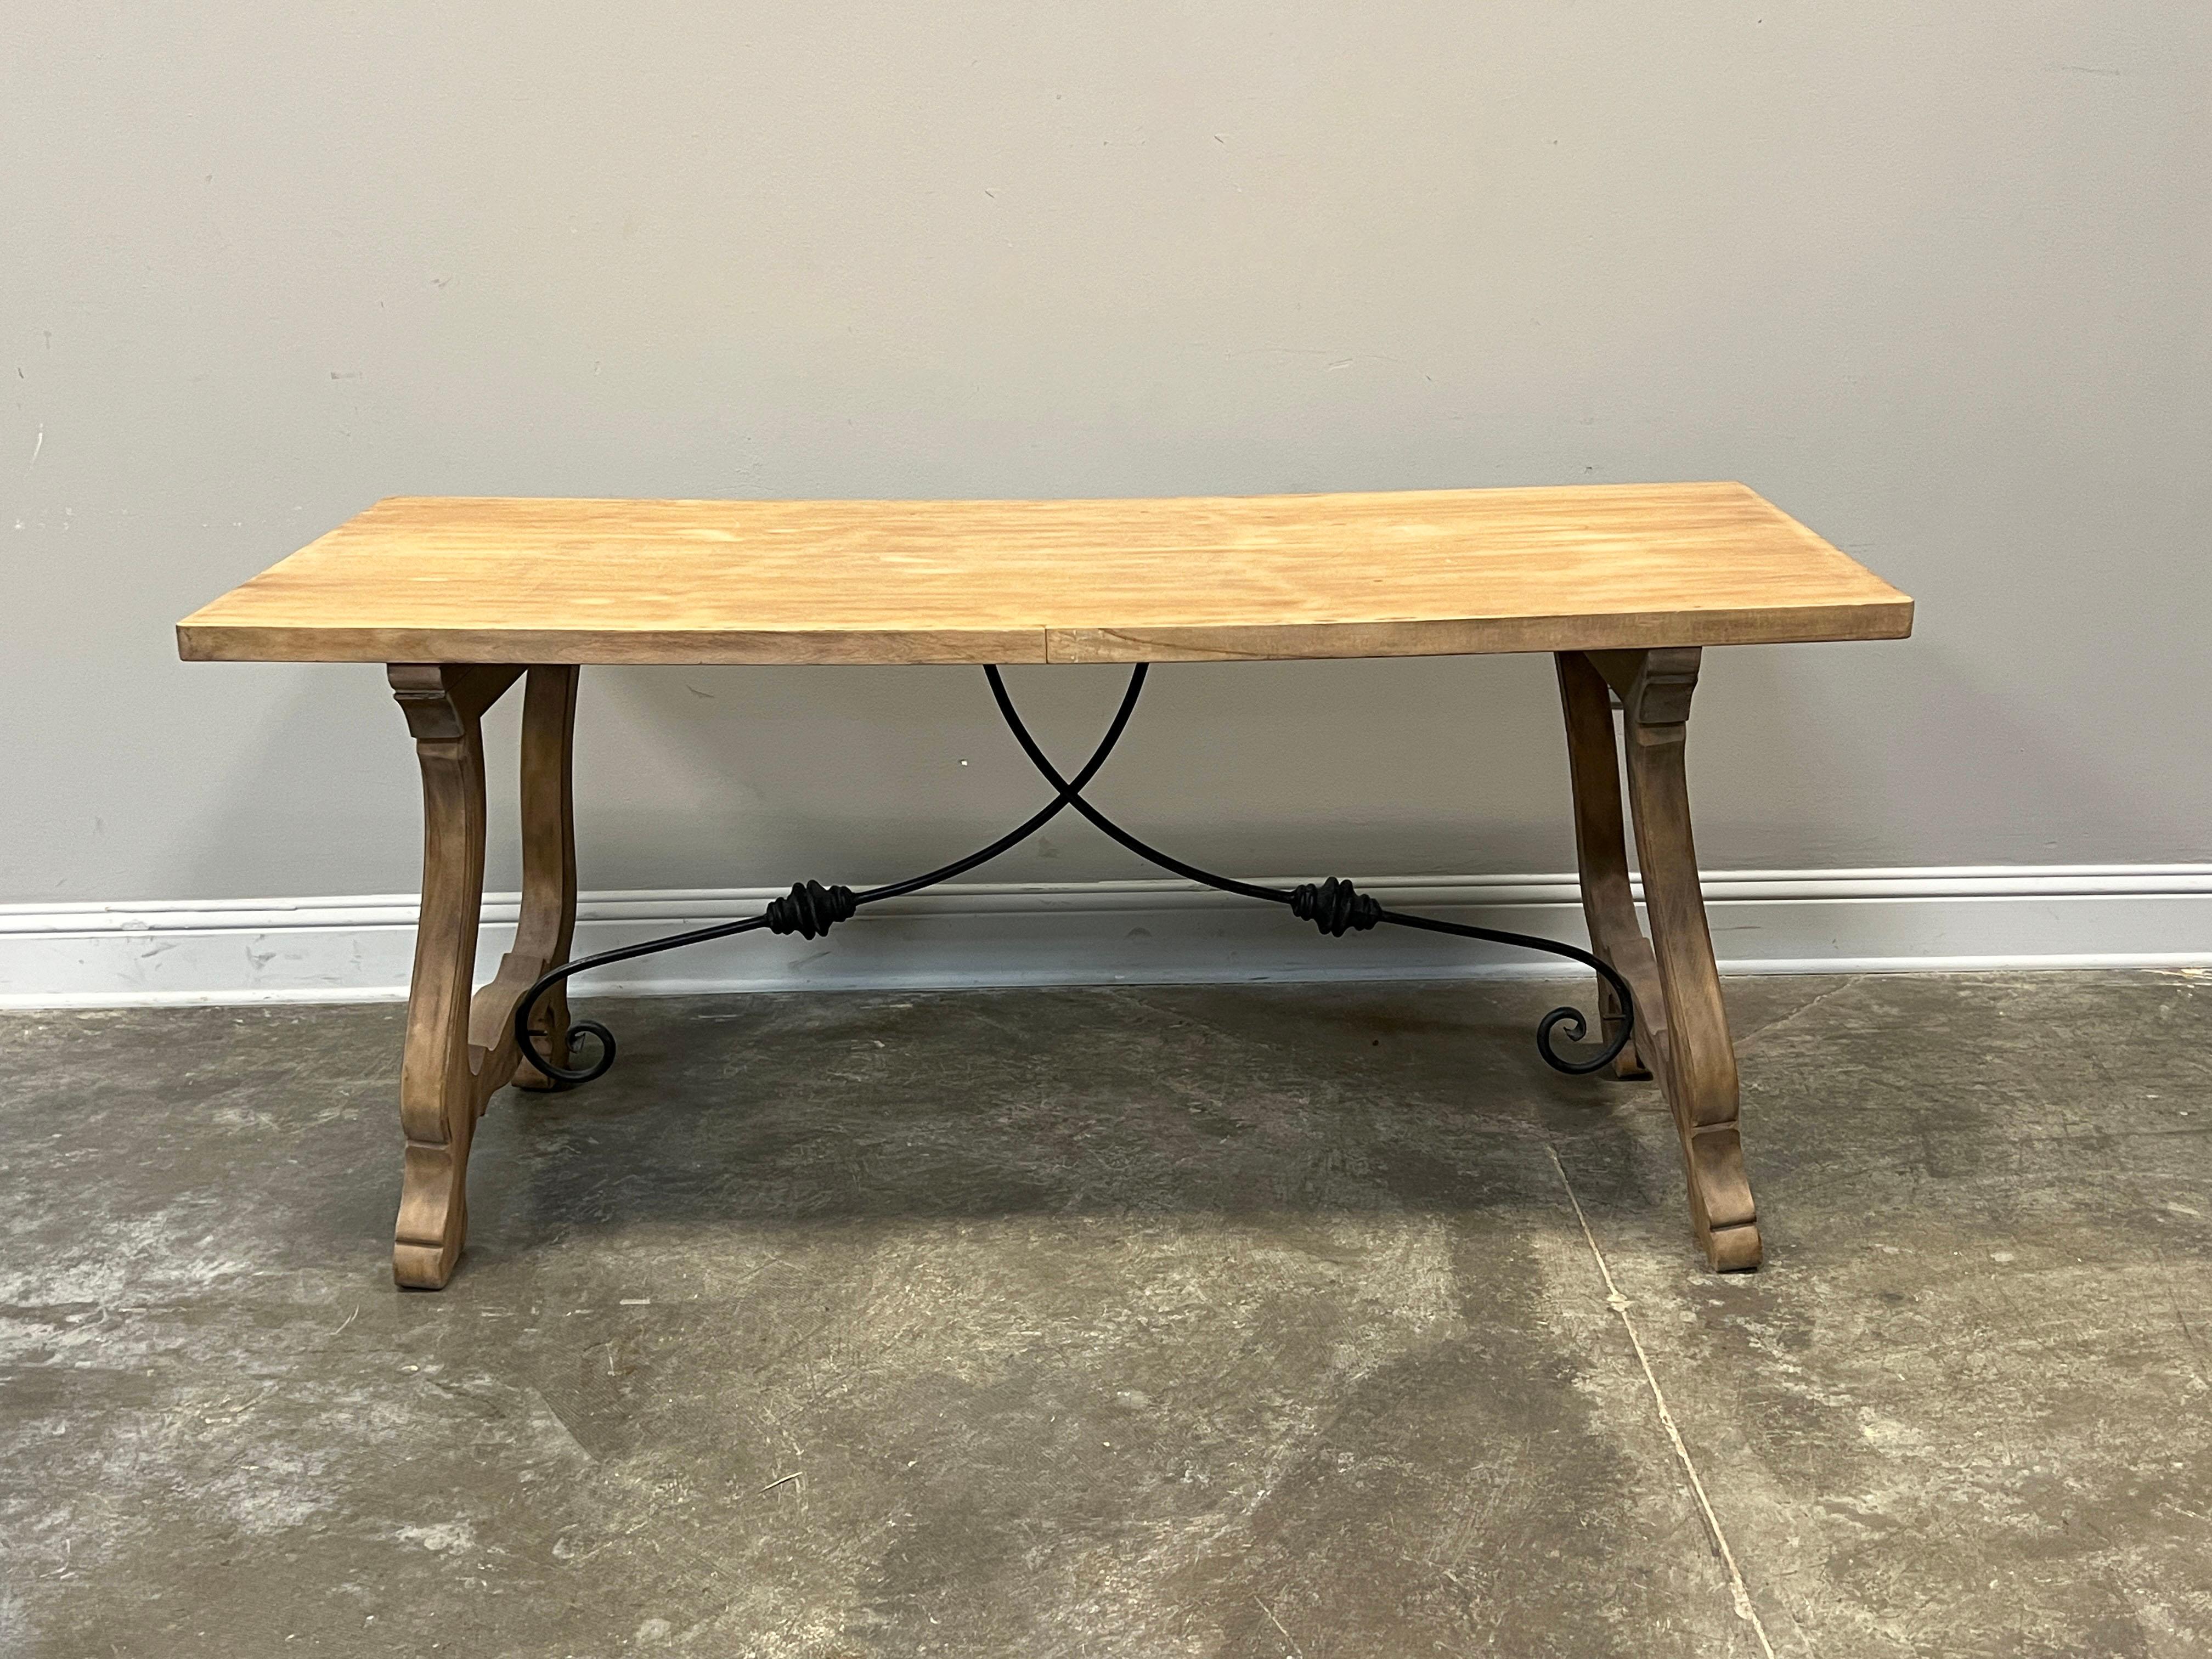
column 1693, row 1058
column 460, row 1051
column 1602, row 851
column 543, row 931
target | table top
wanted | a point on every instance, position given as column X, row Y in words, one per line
column 1409, row 572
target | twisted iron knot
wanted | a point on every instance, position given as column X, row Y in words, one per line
column 810, row 909
column 1335, row 907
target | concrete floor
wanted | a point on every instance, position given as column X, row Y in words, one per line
column 1252, row 1321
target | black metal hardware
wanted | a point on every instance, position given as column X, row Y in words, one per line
column 1335, row 906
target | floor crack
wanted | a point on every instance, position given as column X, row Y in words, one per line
column 1805, row 1007
column 1738, row 1593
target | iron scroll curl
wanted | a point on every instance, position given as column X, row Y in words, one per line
column 1335, row 906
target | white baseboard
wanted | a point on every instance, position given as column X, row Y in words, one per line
column 347, row 950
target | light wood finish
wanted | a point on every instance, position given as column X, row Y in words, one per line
column 1408, row 573
column 1675, row 980
column 460, row 1050
column 1625, row 583
column 1601, row 854
column 547, row 923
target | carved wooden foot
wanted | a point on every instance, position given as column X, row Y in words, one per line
column 1683, row 1025
column 460, row 1051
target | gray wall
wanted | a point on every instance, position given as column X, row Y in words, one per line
column 1933, row 278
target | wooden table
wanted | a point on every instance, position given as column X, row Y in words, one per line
column 1624, row 584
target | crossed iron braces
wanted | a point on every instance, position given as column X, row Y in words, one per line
column 1336, row 907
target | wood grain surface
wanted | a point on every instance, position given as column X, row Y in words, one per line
column 1416, row 573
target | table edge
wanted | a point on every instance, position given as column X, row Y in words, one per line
column 1873, row 619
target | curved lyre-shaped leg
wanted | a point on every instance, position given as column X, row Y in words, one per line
column 437, row 1078
column 460, row 1050
column 547, row 925
column 1601, row 854
column 1693, row 1058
